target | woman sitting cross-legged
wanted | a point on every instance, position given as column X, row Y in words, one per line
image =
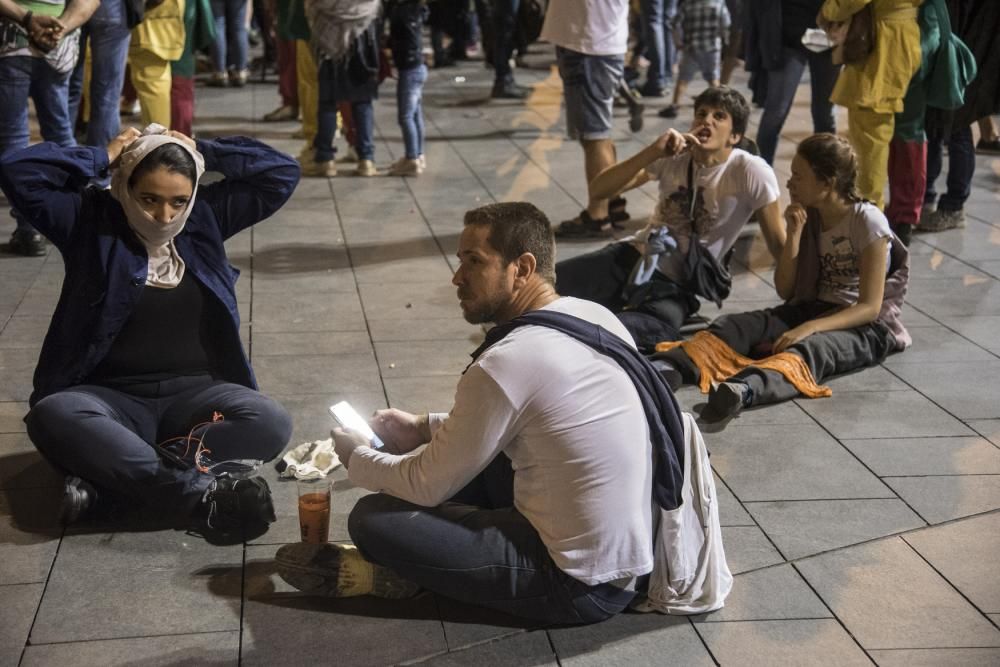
column 843, row 277
column 144, row 347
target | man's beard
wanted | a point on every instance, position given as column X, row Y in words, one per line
column 486, row 310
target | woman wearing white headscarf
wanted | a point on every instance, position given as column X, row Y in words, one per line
column 143, row 348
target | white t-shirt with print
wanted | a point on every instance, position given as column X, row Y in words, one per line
column 726, row 195
column 594, row 27
column 840, row 250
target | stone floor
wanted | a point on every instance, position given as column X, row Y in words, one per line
column 862, row 528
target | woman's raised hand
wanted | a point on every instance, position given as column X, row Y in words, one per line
column 795, row 218
column 121, row 142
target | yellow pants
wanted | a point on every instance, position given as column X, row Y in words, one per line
column 151, row 80
column 870, row 132
column 308, row 84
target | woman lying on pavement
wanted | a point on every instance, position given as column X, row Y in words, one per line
column 144, row 346
column 843, row 276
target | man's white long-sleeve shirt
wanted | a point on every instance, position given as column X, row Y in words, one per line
column 572, row 424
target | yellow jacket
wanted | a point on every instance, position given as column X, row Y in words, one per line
column 161, row 30
column 880, row 82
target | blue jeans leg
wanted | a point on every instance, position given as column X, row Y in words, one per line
column 229, row 51
column 15, row 86
column 504, row 25
column 654, row 35
column 822, row 76
column 410, row 112
column 364, row 126
column 488, row 557
column 109, row 39
column 781, row 86
column 961, row 167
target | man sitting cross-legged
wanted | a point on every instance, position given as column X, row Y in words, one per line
column 709, row 189
column 534, row 495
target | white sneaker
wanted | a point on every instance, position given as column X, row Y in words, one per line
column 325, row 169
column 366, row 168
column 405, row 167
column 422, row 161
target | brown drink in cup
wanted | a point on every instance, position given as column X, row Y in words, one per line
column 314, row 511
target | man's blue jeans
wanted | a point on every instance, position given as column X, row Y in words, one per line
column 659, row 40
column 229, row 51
column 22, row 77
column 108, row 35
column 504, row 26
column 781, row 86
column 364, row 126
column 961, row 167
column 479, row 549
column 409, row 93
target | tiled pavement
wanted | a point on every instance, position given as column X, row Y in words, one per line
column 862, row 527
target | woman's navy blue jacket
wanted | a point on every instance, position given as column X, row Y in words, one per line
column 105, row 262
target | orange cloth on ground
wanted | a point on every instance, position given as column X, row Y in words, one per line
column 718, row 362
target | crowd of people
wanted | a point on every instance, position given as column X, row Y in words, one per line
column 556, row 486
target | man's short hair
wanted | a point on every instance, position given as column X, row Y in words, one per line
column 517, row 228
column 730, row 100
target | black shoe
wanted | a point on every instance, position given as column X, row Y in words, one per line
column 727, row 399
column 239, row 507
column 988, row 147
column 904, row 232
column 668, row 112
column 79, row 497
column 443, row 61
column 651, row 91
column 27, row 242
column 509, row 91
column 584, row 226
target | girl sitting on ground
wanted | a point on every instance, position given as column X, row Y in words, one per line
column 843, row 276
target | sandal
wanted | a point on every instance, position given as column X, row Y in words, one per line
column 585, row 226
column 617, row 212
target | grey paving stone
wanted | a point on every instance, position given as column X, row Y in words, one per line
column 976, row 241
column 134, row 584
column 12, row 416
column 981, row 330
column 17, row 368
column 422, row 394
column 311, row 343
column 949, row 385
column 888, row 597
column 339, row 279
column 792, row 642
column 341, row 374
column 692, row 400
column 417, row 302
column 773, row 593
column 466, row 625
column 307, row 311
column 896, row 414
column 21, row 466
column 29, row 534
column 927, row 456
column 875, row 379
column 937, row 657
column 214, row 648
column 805, row 527
column 631, row 639
column 927, row 262
column 16, row 614
column 525, row 648
column 410, row 261
column 943, row 297
column 731, row 511
column 421, row 358
column 988, row 428
column 24, row 333
column 942, row 498
column 353, row 631
column 405, row 329
column 747, row 548
column 789, row 462
column 964, row 553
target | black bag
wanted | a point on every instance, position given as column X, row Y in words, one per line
column 704, row 275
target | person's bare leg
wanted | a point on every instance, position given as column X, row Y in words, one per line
column 988, row 129
column 598, row 155
column 679, row 89
column 729, row 64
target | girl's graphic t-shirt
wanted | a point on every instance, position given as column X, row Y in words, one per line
column 840, row 250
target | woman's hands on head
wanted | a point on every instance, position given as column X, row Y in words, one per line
column 120, row 143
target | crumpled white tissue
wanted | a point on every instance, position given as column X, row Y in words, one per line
column 310, row 460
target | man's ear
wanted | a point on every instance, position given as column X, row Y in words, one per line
column 525, row 267
column 734, row 139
